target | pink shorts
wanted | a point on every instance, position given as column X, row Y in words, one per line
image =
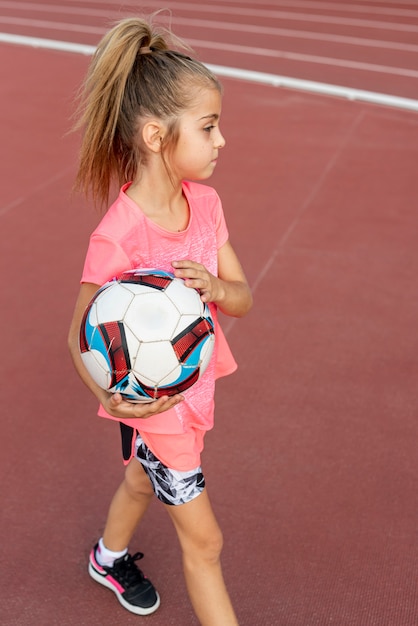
column 178, row 451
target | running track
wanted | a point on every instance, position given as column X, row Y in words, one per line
column 312, row 466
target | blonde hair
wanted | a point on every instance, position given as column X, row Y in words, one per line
column 133, row 74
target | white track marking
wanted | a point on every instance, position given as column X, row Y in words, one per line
column 240, row 74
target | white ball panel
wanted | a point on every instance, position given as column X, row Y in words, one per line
column 171, row 377
column 154, row 316
column 132, row 341
column 206, row 353
column 155, row 362
column 187, row 300
column 113, row 303
column 92, row 316
column 184, row 322
column 97, row 367
column 137, row 288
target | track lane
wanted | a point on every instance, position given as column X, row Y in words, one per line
column 312, row 41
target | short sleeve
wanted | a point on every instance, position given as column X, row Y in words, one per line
column 105, row 259
column 222, row 234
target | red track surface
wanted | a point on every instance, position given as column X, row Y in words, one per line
column 319, row 505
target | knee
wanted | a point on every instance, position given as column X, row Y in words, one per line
column 205, row 549
column 214, row 545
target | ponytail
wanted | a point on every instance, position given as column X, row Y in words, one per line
column 132, row 73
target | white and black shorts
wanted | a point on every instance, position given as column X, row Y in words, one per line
column 171, row 486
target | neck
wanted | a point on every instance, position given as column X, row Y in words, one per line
column 160, row 201
column 153, row 189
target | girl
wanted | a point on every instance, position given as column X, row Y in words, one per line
column 151, row 121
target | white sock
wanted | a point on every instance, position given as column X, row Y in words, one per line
column 107, row 557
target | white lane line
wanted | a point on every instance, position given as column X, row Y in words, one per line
column 278, row 13
column 64, row 26
column 240, row 74
column 43, row 185
column 229, row 26
column 306, row 58
column 345, row 7
column 290, row 4
column 316, row 87
column 49, row 44
column 292, row 56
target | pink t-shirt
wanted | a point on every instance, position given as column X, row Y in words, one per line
column 127, row 239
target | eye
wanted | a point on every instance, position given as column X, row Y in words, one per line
column 207, row 129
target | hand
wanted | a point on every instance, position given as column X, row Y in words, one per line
column 196, row 276
column 116, row 406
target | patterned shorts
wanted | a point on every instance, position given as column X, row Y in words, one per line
column 170, row 486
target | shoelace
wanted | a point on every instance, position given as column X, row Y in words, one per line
column 126, row 570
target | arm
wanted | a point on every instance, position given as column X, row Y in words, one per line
column 229, row 290
column 113, row 403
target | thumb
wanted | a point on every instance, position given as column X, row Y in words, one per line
column 115, row 400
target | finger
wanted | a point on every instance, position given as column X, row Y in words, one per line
column 201, row 285
column 195, row 283
column 165, row 402
column 189, row 273
column 188, row 269
column 205, row 296
column 158, row 406
column 183, row 263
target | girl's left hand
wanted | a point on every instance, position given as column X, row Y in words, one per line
column 229, row 290
column 196, row 275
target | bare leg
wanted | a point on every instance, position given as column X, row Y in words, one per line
column 127, row 508
column 201, row 542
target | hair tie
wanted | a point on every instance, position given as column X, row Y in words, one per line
column 145, row 50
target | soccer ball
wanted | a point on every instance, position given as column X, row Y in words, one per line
column 146, row 335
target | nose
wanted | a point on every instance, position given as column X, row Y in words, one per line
column 220, row 139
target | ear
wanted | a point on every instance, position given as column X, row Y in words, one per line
column 152, row 134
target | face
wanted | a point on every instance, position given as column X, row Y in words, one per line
column 200, row 138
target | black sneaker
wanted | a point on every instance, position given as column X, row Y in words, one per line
column 133, row 590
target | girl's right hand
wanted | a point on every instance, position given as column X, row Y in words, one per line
column 116, row 406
